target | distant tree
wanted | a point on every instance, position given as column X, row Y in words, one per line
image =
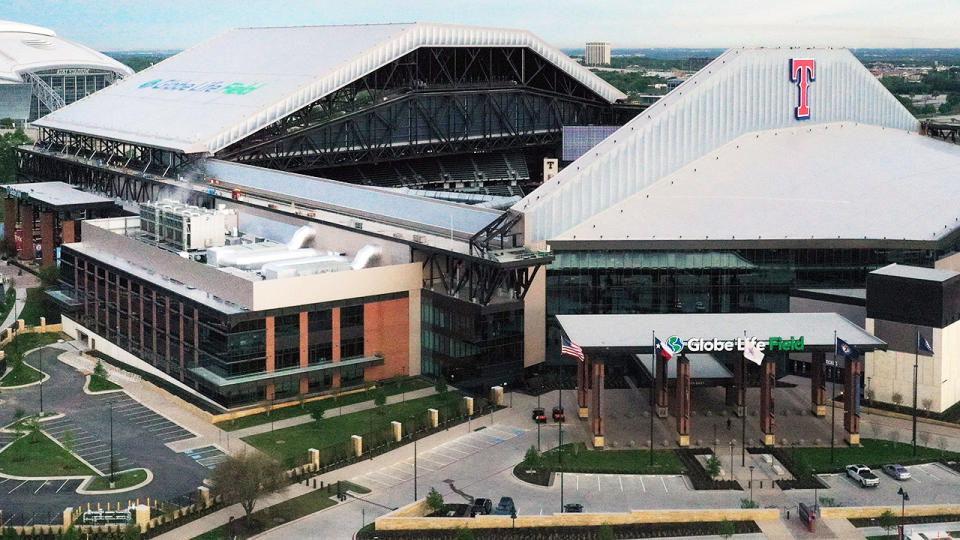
column 317, row 410
column 99, row 370
column 49, row 276
column 897, row 398
column 532, row 459
column 713, row 466
column 246, row 478
column 6, row 123
column 887, row 521
column 434, row 500
column 726, row 529
column 8, row 158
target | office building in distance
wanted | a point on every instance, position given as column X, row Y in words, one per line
column 597, row 53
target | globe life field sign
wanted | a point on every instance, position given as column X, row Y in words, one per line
column 696, row 345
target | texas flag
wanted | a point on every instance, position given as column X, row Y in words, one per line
column 663, row 351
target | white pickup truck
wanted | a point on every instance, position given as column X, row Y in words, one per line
column 863, row 475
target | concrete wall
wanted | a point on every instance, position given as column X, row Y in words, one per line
column 938, row 376
column 535, row 321
column 276, row 293
column 847, row 512
column 410, row 517
column 414, row 318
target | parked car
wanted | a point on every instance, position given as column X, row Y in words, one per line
column 505, row 507
column 558, row 415
column 863, row 475
column 539, row 416
column 896, row 471
column 482, row 507
column 572, row 508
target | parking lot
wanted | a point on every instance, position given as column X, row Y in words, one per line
column 9, row 486
column 208, row 456
column 930, row 483
column 445, row 454
column 89, row 447
column 132, row 412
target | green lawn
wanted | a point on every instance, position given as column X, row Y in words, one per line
column 289, row 510
column 35, row 454
column 873, row 453
column 9, row 300
column 577, row 458
column 33, row 308
column 293, row 442
column 101, row 384
column 123, row 480
column 409, row 385
column 21, row 372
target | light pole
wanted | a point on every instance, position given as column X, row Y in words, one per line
column 41, row 381
column 732, row 444
column 560, row 461
column 403, row 386
column 414, row 469
column 111, row 445
column 751, row 485
column 904, row 497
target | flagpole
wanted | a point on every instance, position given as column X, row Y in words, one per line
column 653, row 384
column 833, row 397
column 916, row 363
column 743, row 417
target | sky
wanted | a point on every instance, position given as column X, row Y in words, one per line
column 175, row 24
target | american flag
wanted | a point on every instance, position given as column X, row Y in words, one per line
column 569, row 348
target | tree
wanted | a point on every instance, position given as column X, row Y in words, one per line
column 897, row 398
column 68, row 441
column 726, row 530
column 131, row 531
column 606, row 532
column 8, row 158
column 926, row 404
column 713, row 466
column 72, row 533
column 434, row 500
column 247, row 477
column 532, row 459
column 464, row 533
column 440, row 386
column 49, row 276
column 942, row 444
column 894, row 436
column 17, row 424
column 302, row 399
column 317, row 411
column 871, row 393
column 99, row 370
column 888, row 520
column 747, row 503
column 379, row 399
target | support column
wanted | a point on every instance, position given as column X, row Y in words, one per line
column 596, row 419
column 48, row 238
column 663, row 397
column 68, row 231
column 582, row 409
column 271, row 353
column 853, row 371
column 304, row 351
column 740, row 385
column 768, row 380
column 10, row 222
column 683, row 401
column 818, row 384
column 26, row 233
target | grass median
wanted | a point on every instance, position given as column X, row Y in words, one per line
column 292, row 411
column 101, row 384
column 873, row 453
column 577, row 458
column 121, row 480
column 35, row 454
column 21, row 373
column 293, row 442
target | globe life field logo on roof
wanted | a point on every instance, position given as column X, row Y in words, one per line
column 675, row 344
column 221, row 87
column 697, row 345
column 803, row 71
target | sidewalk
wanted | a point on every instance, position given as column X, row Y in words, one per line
column 913, row 529
column 17, row 309
column 425, row 444
column 330, row 413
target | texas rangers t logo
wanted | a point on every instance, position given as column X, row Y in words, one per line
column 803, row 71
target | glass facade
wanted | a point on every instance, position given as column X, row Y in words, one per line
column 221, row 355
column 473, row 347
column 72, row 84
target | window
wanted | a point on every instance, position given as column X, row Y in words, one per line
column 351, row 316
column 350, row 348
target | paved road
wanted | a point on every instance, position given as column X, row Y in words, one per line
column 139, row 439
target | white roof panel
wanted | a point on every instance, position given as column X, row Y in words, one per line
column 916, row 272
column 226, row 88
column 830, row 181
column 741, row 91
column 24, row 47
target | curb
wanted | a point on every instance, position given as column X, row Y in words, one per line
column 81, row 490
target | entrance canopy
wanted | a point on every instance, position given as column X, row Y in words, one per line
column 634, row 333
column 702, row 366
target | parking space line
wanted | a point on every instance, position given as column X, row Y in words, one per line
column 437, row 451
column 14, row 489
column 621, row 483
column 61, row 485
column 391, row 476
column 4, row 481
column 166, row 429
column 41, row 487
column 368, row 477
column 578, row 482
column 662, row 481
column 150, row 422
column 450, row 448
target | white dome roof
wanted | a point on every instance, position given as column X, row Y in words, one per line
column 24, row 47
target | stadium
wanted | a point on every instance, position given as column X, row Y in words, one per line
column 376, row 229
column 41, row 72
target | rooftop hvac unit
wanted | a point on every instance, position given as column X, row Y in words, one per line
column 397, row 235
column 419, row 239
column 358, row 225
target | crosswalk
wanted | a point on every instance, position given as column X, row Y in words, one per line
column 440, row 456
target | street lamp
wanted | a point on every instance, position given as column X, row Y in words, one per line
column 111, row 445
column 414, row 469
column 751, row 485
column 41, row 381
column 904, row 497
column 732, row 444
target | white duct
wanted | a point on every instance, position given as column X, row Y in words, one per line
column 254, row 260
column 308, row 266
column 301, row 237
column 370, row 253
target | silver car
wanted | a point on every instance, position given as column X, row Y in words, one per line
column 896, row 471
